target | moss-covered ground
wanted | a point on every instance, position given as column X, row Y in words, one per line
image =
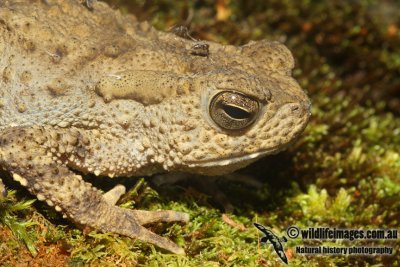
column 344, row 172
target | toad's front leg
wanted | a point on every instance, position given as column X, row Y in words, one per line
column 37, row 158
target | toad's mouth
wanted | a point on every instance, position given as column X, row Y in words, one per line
column 248, row 158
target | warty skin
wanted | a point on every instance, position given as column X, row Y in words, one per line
column 97, row 92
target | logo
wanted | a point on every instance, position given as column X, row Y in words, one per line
column 274, row 240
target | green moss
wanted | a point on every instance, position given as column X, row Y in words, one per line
column 19, row 228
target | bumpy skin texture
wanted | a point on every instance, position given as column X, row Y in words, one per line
column 95, row 91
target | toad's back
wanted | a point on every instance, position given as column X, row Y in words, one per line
column 53, row 55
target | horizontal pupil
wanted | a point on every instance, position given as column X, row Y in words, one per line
column 235, row 112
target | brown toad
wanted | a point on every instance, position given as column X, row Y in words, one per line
column 97, row 92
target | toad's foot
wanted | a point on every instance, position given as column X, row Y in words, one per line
column 112, row 196
column 25, row 152
column 143, row 216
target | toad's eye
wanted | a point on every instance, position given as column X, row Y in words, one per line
column 233, row 111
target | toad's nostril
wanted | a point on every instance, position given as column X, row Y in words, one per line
column 302, row 108
column 307, row 106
